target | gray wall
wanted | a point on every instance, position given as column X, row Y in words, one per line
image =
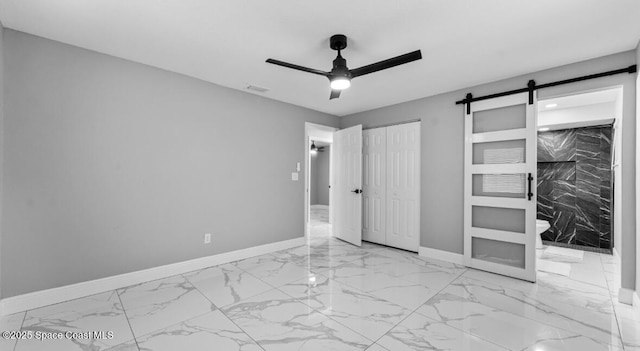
column 1, row 134
column 322, row 167
column 313, row 179
column 319, row 178
column 442, row 147
column 637, row 257
column 113, row 166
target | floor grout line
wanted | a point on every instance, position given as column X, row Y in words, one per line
column 24, row 318
column 135, row 339
column 613, row 305
column 415, row 311
column 531, row 318
column 411, row 311
column 320, row 312
column 229, row 318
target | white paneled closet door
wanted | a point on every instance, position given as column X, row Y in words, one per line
column 403, row 186
column 374, row 185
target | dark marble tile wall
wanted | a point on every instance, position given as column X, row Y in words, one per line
column 574, row 186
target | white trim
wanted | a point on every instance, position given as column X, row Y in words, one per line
column 626, row 296
column 69, row 292
column 441, row 255
column 501, row 235
column 498, row 168
column 502, row 135
column 636, row 302
column 501, row 202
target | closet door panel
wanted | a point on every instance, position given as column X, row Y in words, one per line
column 403, row 186
column 374, row 185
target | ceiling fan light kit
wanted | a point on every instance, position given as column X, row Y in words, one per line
column 340, row 75
column 315, row 148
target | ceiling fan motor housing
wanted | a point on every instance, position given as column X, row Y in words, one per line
column 338, row 42
column 340, row 67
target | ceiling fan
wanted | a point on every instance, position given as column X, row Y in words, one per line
column 340, row 75
column 315, row 148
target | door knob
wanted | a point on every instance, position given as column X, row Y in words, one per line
column 357, row 191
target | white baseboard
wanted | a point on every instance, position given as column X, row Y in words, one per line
column 441, row 255
column 69, row 292
column 626, row 296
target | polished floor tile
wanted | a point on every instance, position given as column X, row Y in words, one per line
column 506, row 329
column 208, row 332
column 418, row 332
column 226, row 284
column 376, row 347
column 365, row 313
column 630, row 330
column 97, row 313
column 597, row 324
column 402, row 292
column 11, row 322
column 158, row 304
column 279, row 322
column 330, row 295
column 277, row 270
column 554, row 290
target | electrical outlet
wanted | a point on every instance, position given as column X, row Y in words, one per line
column 207, row 238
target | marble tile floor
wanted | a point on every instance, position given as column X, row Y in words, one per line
column 329, row 295
column 319, row 225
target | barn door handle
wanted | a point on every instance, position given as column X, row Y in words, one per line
column 530, row 179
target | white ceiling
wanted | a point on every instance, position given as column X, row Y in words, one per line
column 578, row 100
column 580, row 110
column 463, row 42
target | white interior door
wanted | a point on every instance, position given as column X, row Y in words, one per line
column 347, row 145
column 403, row 186
column 374, row 187
column 499, row 186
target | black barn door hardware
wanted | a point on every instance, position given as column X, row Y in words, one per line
column 530, row 179
column 531, row 86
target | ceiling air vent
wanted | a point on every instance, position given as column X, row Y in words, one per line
column 257, row 88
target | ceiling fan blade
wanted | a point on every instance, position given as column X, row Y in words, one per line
column 392, row 62
column 335, row 93
column 299, row 68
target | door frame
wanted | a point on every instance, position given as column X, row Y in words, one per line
column 323, row 133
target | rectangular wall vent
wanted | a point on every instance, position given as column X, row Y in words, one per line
column 257, row 88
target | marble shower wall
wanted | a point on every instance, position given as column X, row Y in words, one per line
column 574, row 186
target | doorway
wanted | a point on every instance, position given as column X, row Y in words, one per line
column 318, row 175
column 319, row 188
column 579, row 143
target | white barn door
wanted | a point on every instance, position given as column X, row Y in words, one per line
column 500, row 186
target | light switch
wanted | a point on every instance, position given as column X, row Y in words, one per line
column 298, row 166
column 294, row 176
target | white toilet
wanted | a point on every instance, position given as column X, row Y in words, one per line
column 541, row 227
